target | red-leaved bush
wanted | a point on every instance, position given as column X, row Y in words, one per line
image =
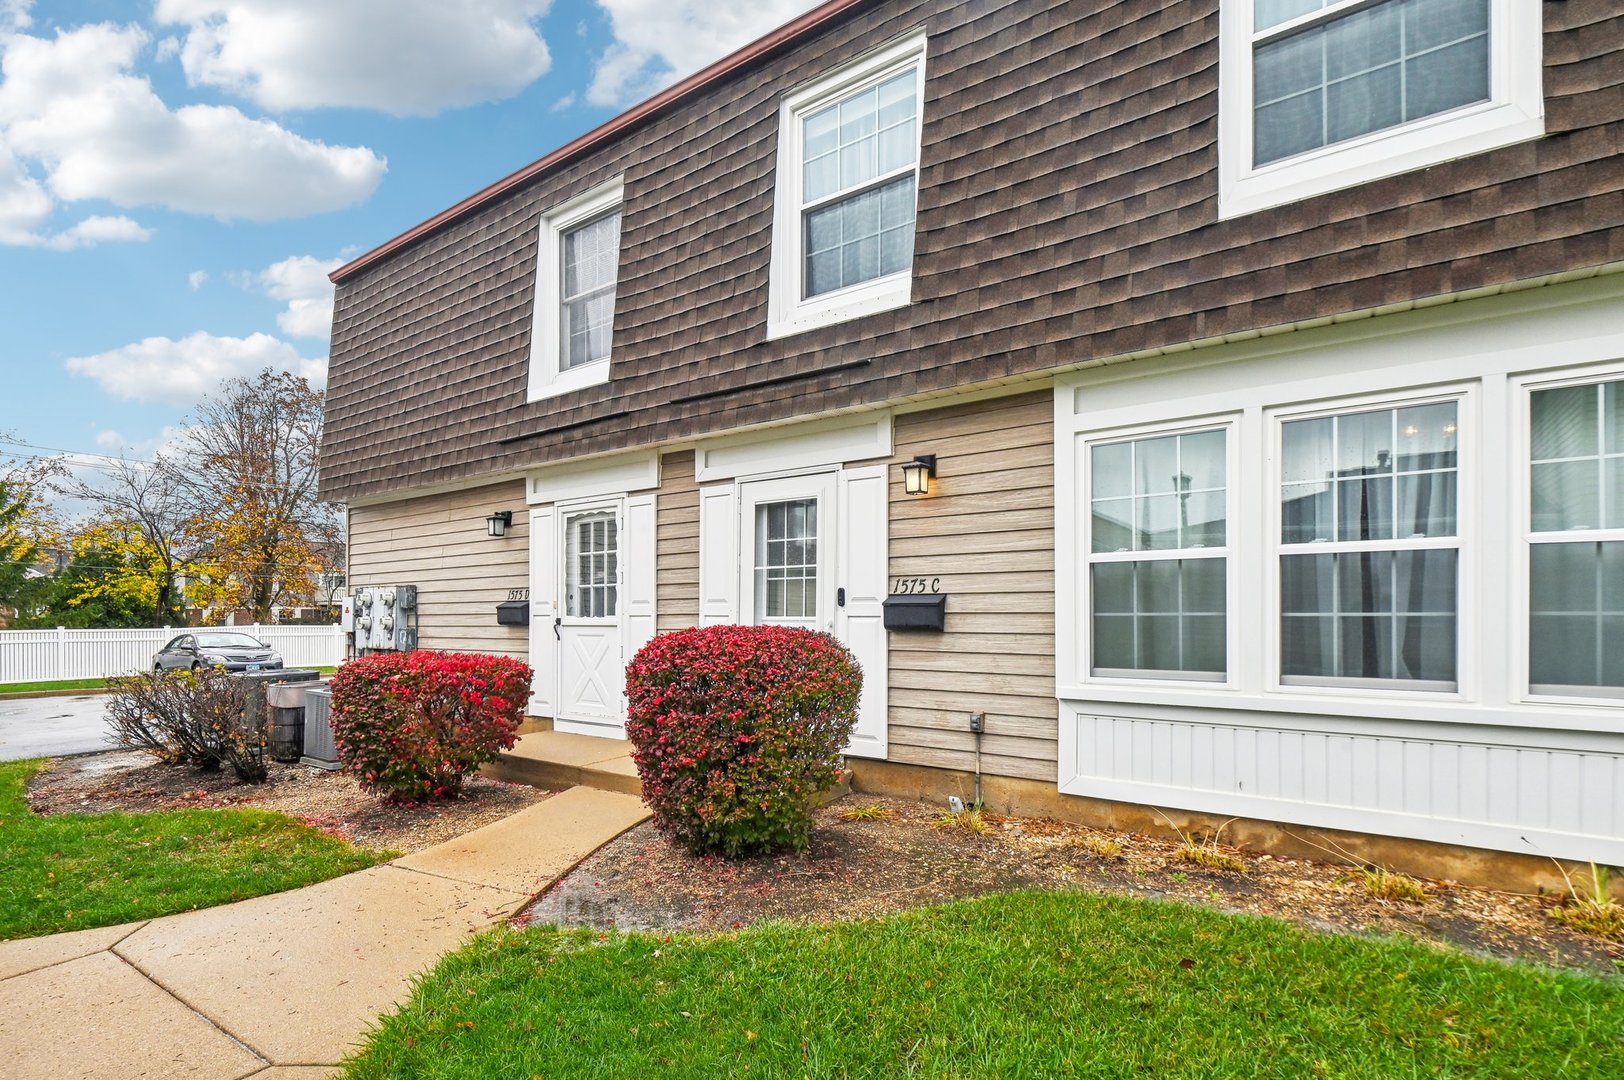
column 411, row 725
column 736, row 730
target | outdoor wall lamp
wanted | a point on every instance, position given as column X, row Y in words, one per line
column 916, row 474
column 497, row 524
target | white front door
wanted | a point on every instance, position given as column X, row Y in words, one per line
column 588, row 622
column 812, row 553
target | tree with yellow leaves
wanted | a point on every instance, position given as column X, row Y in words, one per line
column 248, row 465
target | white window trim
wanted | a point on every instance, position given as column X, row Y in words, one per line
column 1086, row 558
column 787, row 312
column 1462, row 543
column 1522, row 431
column 546, row 378
column 1515, row 112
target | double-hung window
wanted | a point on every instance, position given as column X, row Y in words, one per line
column 1317, row 95
column 1576, row 541
column 847, row 187
column 1370, row 548
column 1158, row 556
column 576, row 269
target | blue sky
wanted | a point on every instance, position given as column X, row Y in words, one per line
column 176, row 176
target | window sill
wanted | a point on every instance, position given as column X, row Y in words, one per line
column 1433, row 141
column 869, row 298
column 593, row 374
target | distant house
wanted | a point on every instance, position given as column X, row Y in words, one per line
column 1268, row 357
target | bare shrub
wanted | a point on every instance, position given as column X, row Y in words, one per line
column 195, row 718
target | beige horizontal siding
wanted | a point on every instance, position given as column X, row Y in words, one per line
column 987, row 531
column 676, row 568
column 439, row 544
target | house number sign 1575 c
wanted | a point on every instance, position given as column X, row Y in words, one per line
column 906, row 586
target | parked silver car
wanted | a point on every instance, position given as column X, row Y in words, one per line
column 216, row 648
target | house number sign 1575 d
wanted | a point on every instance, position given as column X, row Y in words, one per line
column 906, row 586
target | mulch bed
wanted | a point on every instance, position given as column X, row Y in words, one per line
column 330, row 801
column 904, row 859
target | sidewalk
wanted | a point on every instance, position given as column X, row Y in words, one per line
column 279, row 987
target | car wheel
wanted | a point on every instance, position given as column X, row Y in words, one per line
column 196, row 666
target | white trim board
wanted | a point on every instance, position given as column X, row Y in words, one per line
column 810, row 445
column 592, row 479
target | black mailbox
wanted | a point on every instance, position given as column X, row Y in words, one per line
column 916, row 612
column 513, row 613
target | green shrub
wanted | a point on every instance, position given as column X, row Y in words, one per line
column 736, row 730
column 412, row 725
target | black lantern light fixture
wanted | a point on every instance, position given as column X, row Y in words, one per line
column 497, row 524
column 916, row 474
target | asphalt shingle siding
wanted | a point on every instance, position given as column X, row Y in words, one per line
column 1067, row 211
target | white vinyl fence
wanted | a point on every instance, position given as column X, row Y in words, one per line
column 46, row 655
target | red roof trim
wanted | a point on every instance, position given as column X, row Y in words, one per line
column 728, row 64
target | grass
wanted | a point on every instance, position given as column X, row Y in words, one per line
column 969, row 820
column 75, row 871
column 1385, row 884
column 86, row 684
column 1019, row 985
column 1100, row 846
column 60, row 684
column 1590, row 907
column 871, row 812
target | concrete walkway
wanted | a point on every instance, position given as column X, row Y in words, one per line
column 280, row 987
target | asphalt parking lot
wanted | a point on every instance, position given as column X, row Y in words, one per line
column 52, row 726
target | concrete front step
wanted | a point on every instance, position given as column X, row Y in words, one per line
column 557, row 759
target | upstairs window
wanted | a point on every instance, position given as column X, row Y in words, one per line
column 848, row 178
column 577, row 263
column 1317, row 95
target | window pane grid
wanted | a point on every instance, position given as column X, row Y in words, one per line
column 1576, row 565
column 1363, row 69
column 591, row 566
column 859, row 176
column 589, row 258
column 786, row 563
column 1370, row 562
column 1159, row 567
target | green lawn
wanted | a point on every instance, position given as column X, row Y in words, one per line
column 85, row 684
column 1021, row 985
column 75, row 871
column 61, row 684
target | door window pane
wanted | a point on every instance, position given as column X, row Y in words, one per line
column 786, row 560
column 591, row 566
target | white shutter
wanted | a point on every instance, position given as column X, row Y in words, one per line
column 718, row 556
column 637, row 560
column 864, row 574
column 543, row 610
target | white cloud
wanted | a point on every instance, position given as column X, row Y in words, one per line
column 99, row 132
column 24, row 204
column 403, row 57
column 196, row 279
column 302, row 282
column 14, row 15
column 182, row 372
column 658, row 42
column 98, row 229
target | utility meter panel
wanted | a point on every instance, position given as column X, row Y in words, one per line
column 385, row 618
